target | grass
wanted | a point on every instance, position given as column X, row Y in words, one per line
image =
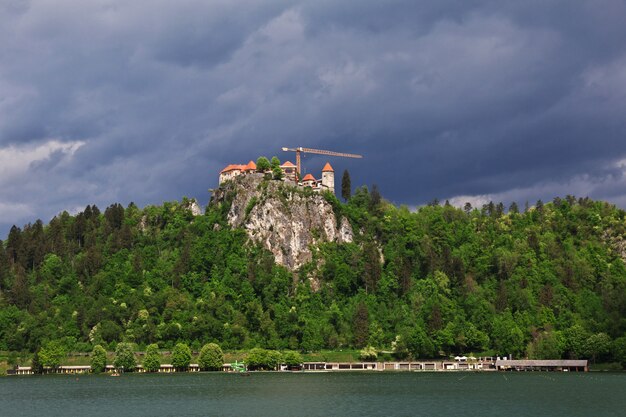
column 611, row 366
column 345, row 355
column 3, row 367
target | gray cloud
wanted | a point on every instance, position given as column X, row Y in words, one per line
column 446, row 99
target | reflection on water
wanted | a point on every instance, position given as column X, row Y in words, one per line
column 324, row 394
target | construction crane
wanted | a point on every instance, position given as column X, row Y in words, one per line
column 300, row 150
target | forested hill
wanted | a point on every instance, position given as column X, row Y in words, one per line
column 546, row 282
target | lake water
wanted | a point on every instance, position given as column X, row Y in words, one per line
column 323, row 394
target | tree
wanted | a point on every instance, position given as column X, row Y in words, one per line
column 574, row 341
column 539, row 206
column 35, row 363
column 52, row 353
column 372, row 269
column 152, row 361
column 399, row 347
column 513, row 208
column 211, row 357
column 375, row 198
column 507, row 337
column 275, row 162
column 361, row 325
column 547, row 345
column 419, row 344
column 346, row 186
column 292, row 359
column 619, row 350
column 275, row 358
column 181, row 356
column 125, row 357
column 368, row 354
column 262, row 359
column 277, row 173
column 597, row 346
column 98, row 359
column 263, row 164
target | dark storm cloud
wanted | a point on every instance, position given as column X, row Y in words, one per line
column 145, row 101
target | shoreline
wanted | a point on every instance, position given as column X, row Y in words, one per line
column 334, row 367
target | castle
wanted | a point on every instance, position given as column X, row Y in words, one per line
column 290, row 174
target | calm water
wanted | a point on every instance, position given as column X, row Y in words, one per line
column 326, row 394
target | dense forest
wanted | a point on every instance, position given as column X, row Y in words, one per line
column 543, row 282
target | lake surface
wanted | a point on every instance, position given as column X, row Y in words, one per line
column 323, row 394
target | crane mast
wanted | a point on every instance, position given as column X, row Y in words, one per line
column 300, row 150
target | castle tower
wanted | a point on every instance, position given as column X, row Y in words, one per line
column 328, row 178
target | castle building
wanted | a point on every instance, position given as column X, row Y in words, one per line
column 309, row 181
column 328, row 178
column 289, row 170
column 327, row 182
column 233, row 170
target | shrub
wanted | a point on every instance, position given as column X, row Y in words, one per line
column 368, row 353
column 125, row 357
column 181, row 356
column 292, row 359
column 211, row 357
column 261, row 359
column 152, row 361
column 98, row 359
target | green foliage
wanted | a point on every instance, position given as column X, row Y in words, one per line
column 597, row 346
column 211, row 357
column 619, row 350
column 263, row 164
column 36, row 364
column 368, row 354
column 152, row 361
column 419, row 344
column 125, row 357
column 181, row 356
column 542, row 282
column 263, row 359
column 251, row 205
column 98, row 359
column 292, row 359
column 547, row 345
column 346, row 186
column 52, row 354
column 277, row 173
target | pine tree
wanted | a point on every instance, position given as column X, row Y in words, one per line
column 375, row 198
column 346, row 186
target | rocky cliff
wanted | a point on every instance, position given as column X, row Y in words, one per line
column 287, row 220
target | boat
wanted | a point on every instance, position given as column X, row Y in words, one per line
column 240, row 368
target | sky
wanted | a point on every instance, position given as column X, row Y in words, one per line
column 145, row 101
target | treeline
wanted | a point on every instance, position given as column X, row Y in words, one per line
column 544, row 282
column 210, row 358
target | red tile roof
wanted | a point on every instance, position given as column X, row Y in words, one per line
column 308, row 177
column 327, row 168
column 233, row 167
column 287, row 165
column 251, row 166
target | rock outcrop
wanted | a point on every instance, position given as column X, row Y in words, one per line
column 287, row 220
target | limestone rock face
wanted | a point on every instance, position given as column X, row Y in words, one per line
column 287, row 220
column 194, row 207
